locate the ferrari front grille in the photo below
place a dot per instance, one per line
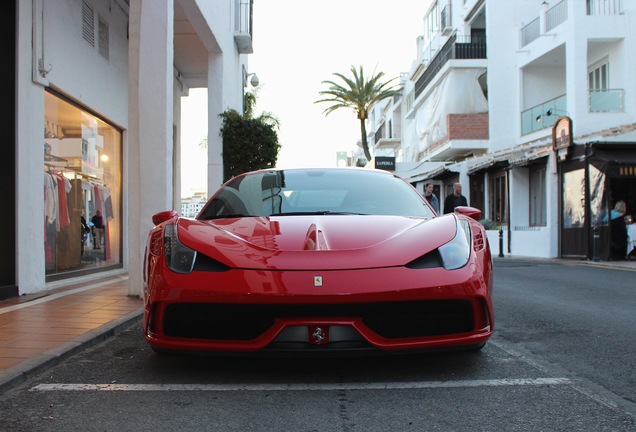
(388, 319)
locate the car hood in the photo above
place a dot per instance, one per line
(323, 242)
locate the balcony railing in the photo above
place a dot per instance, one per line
(604, 7)
(457, 47)
(543, 116)
(530, 32)
(553, 17)
(556, 15)
(607, 100)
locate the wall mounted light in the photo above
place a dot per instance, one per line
(549, 113)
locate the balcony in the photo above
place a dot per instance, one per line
(546, 22)
(467, 135)
(551, 18)
(384, 142)
(457, 47)
(243, 26)
(543, 116)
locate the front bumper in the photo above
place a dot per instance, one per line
(380, 309)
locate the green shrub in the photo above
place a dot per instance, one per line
(248, 144)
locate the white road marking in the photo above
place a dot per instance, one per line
(304, 387)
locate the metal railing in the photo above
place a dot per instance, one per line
(556, 15)
(604, 7)
(530, 32)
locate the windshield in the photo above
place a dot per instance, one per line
(315, 191)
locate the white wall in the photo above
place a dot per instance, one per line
(503, 76)
(77, 68)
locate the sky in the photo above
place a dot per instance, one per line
(297, 45)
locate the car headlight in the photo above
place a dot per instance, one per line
(455, 253)
(179, 257)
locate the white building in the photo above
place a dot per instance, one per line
(490, 79)
(191, 206)
(97, 105)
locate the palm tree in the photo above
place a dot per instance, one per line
(358, 94)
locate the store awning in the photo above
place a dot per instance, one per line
(510, 158)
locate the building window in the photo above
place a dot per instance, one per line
(498, 184)
(431, 23)
(83, 189)
(537, 196)
(598, 76)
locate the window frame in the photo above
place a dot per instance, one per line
(537, 208)
(498, 197)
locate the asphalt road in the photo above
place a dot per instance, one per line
(561, 360)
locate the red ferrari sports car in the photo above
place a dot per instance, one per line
(317, 260)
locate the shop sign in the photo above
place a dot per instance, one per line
(562, 136)
(385, 163)
(624, 171)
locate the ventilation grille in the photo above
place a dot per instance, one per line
(88, 23)
(103, 38)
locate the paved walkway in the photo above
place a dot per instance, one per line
(40, 330)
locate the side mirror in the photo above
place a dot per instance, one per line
(471, 212)
(163, 216)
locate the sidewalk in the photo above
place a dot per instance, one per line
(40, 330)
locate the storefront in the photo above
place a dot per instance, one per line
(82, 190)
(593, 177)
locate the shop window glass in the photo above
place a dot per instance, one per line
(574, 199)
(82, 184)
(598, 203)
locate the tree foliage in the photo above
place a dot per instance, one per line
(359, 94)
(248, 144)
